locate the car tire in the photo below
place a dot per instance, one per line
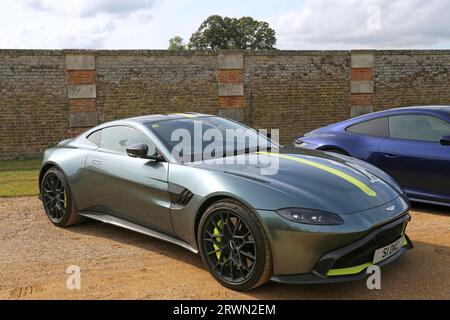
(57, 199)
(260, 270)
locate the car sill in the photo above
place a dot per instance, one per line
(137, 228)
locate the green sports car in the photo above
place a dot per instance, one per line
(253, 211)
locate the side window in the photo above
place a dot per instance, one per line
(118, 138)
(376, 127)
(418, 127)
(95, 137)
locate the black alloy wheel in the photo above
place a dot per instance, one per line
(54, 197)
(230, 246)
(234, 246)
(57, 199)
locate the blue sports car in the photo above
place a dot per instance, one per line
(411, 144)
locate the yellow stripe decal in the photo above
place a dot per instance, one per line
(320, 166)
(350, 270)
(404, 242)
(187, 115)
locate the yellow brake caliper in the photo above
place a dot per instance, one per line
(219, 239)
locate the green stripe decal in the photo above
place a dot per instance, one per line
(328, 169)
(405, 242)
(350, 270)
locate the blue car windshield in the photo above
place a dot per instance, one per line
(198, 135)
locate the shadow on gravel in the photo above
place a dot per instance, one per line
(128, 237)
(429, 208)
(420, 273)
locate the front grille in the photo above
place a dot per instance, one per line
(365, 253)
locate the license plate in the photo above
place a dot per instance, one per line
(389, 250)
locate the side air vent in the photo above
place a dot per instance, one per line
(184, 198)
(179, 196)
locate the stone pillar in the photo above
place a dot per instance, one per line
(81, 93)
(362, 85)
(230, 78)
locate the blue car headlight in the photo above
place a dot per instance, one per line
(301, 144)
(310, 216)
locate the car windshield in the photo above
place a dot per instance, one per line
(208, 137)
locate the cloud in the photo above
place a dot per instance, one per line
(91, 8)
(301, 24)
(343, 24)
(75, 33)
(89, 34)
(87, 24)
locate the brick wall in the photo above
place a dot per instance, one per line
(48, 95)
(296, 91)
(404, 78)
(138, 83)
(33, 101)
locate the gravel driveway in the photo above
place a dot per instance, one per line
(120, 264)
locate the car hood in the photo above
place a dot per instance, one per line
(317, 179)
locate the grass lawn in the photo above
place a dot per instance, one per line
(19, 177)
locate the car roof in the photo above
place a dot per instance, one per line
(432, 109)
(141, 120)
(166, 116)
(423, 108)
(442, 110)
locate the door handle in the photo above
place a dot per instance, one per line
(390, 155)
(96, 162)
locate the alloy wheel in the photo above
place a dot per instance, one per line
(230, 247)
(54, 197)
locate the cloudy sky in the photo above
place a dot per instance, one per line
(299, 24)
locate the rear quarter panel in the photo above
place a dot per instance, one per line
(356, 145)
(70, 160)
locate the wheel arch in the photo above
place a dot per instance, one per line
(45, 167)
(214, 198)
(266, 266)
(205, 205)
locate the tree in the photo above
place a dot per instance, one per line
(245, 33)
(176, 43)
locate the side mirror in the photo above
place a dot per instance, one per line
(445, 140)
(139, 150)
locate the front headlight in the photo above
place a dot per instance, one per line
(310, 216)
(300, 143)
